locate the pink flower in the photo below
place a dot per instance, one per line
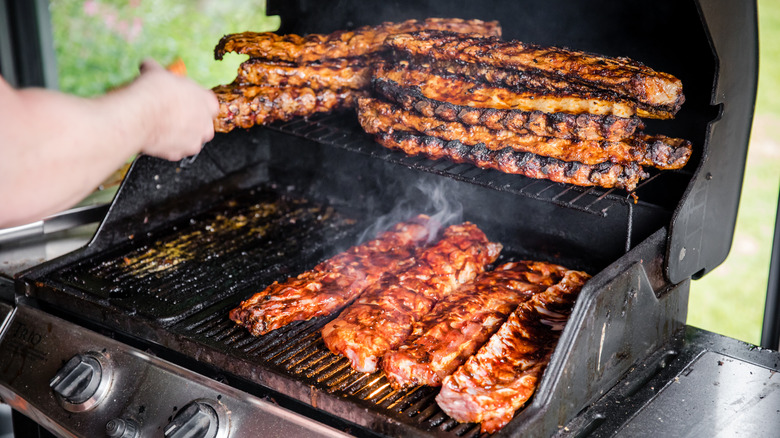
(110, 19)
(135, 29)
(90, 7)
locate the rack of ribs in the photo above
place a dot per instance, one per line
(621, 75)
(460, 323)
(336, 282)
(339, 44)
(519, 163)
(246, 106)
(296, 76)
(658, 151)
(504, 373)
(382, 318)
(337, 74)
(559, 125)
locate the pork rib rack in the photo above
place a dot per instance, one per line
(382, 318)
(291, 76)
(336, 282)
(504, 373)
(460, 323)
(542, 112)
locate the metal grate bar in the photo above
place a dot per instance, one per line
(342, 130)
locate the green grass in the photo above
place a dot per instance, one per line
(730, 300)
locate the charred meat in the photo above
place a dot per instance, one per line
(379, 116)
(519, 163)
(622, 76)
(464, 91)
(245, 106)
(559, 125)
(382, 318)
(338, 74)
(504, 373)
(339, 44)
(460, 323)
(336, 282)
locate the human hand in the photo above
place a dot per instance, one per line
(179, 112)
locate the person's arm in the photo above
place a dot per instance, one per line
(56, 148)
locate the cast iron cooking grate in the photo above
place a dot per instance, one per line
(249, 239)
(298, 353)
(342, 130)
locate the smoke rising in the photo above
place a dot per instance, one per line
(434, 197)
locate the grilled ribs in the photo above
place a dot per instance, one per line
(460, 323)
(245, 106)
(335, 74)
(335, 282)
(561, 125)
(339, 44)
(464, 91)
(507, 160)
(623, 76)
(504, 373)
(664, 153)
(381, 319)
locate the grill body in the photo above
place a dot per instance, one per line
(183, 243)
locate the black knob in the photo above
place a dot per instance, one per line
(196, 420)
(122, 428)
(79, 379)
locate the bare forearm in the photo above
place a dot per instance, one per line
(57, 148)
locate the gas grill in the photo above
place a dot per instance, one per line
(130, 336)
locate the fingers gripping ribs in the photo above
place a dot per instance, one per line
(378, 116)
(339, 44)
(382, 318)
(335, 282)
(622, 75)
(504, 373)
(464, 320)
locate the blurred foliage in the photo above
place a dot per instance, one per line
(100, 43)
(768, 100)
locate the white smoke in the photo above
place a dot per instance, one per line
(433, 197)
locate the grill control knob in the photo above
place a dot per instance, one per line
(122, 428)
(82, 382)
(198, 419)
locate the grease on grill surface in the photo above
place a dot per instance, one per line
(245, 241)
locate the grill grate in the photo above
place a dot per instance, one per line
(343, 131)
(246, 241)
(298, 352)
